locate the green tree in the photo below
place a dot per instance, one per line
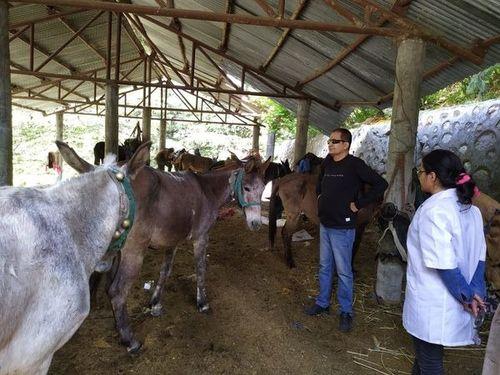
(279, 119)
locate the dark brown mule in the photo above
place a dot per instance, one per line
(297, 194)
(164, 158)
(172, 207)
(194, 163)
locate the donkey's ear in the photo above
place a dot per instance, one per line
(264, 166)
(139, 159)
(250, 165)
(71, 157)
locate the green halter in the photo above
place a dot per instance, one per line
(123, 230)
(238, 190)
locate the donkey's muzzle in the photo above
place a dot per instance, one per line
(255, 224)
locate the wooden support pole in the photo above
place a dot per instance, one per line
(302, 127)
(59, 126)
(146, 124)
(163, 133)
(60, 135)
(5, 99)
(255, 138)
(111, 122)
(401, 155)
(271, 140)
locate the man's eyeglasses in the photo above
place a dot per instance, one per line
(335, 141)
(420, 171)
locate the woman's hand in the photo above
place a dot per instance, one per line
(353, 207)
(474, 306)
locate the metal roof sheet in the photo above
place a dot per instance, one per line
(365, 74)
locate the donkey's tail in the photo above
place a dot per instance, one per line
(275, 209)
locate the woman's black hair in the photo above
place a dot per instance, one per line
(449, 170)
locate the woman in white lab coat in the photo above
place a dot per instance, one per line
(446, 252)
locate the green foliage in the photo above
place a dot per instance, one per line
(277, 118)
(482, 86)
(361, 115)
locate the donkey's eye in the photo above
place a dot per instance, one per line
(246, 188)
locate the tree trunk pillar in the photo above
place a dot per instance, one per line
(255, 138)
(271, 141)
(300, 146)
(111, 120)
(401, 154)
(5, 99)
(163, 133)
(146, 124)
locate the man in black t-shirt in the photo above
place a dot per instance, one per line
(340, 184)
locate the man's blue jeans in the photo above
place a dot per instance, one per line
(335, 254)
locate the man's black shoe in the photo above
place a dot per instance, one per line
(345, 324)
(317, 309)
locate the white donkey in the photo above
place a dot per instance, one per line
(51, 240)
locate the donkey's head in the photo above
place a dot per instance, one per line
(124, 173)
(248, 188)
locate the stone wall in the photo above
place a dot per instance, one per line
(471, 131)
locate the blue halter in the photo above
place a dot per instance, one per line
(238, 190)
(117, 243)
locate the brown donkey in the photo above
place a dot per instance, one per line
(296, 193)
(172, 207)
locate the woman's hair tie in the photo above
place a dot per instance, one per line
(463, 178)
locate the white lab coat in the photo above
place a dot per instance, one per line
(443, 235)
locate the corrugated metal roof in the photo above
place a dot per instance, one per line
(366, 74)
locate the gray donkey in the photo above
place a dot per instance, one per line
(51, 240)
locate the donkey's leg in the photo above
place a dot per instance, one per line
(289, 228)
(130, 265)
(166, 270)
(94, 281)
(200, 257)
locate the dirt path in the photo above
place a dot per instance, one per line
(257, 324)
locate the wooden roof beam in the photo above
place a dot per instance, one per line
(51, 83)
(346, 51)
(138, 24)
(29, 108)
(176, 23)
(67, 42)
(414, 29)
(229, 9)
(221, 71)
(25, 89)
(296, 14)
(266, 8)
(14, 26)
(42, 51)
(248, 68)
(219, 103)
(143, 84)
(347, 14)
(144, 10)
(83, 39)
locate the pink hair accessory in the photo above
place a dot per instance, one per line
(463, 178)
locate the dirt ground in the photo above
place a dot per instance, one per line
(256, 325)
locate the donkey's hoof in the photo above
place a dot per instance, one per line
(156, 310)
(134, 348)
(291, 264)
(205, 308)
